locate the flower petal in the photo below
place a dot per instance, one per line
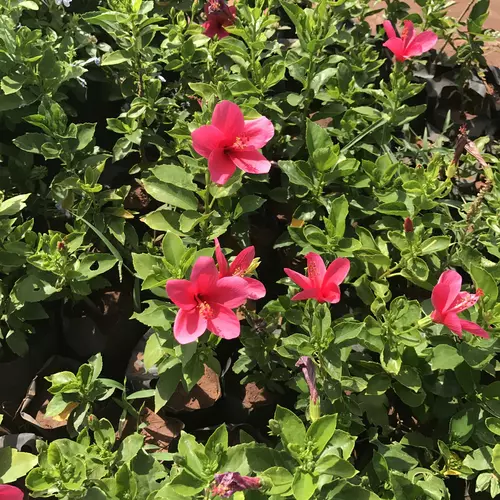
(337, 271)
(258, 132)
(422, 43)
(204, 276)
(310, 293)
(331, 293)
(453, 322)
(206, 139)
(188, 326)
(221, 260)
(250, 161)
(224, 322)
(231, 292)
(228, 118)
(8, 492)
(243, 260)
(446, 290)
(316, 269)
(389, 29)
(220, 166)
(182, 293)
(298, 279)
(474, 328)
(255, 289)
(396, 46)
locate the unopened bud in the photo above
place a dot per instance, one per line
(61, 245)
(408, 225)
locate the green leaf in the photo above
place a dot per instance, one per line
(171, 195)
(175, 175)
(316, 137)
(157, 314)
(167, 383)
(493, 424)
(129, 448)
(435, 244)
(173, 249)
(193, 453)
(321, 431)
(14, 205)
(217, 443)
(281, 480)
(248, 204)
(304, 485)
(484, 280)
(462, 425)
(298, 172)
(31, 142)
(445, 357)
(15, 464)
(115, 57)
(333, 465)
(92, 265)
(378, 384)
(292, 430)
(339, 209)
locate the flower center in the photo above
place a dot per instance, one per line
(239, 272)
(466, 300)
(240, 143)
(312, 269)
(205, 310)
(214, 6)
(404, 33)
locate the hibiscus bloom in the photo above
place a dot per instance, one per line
(448, 301)
(243, 264)
(8, 492)
(219, 15)
(231, 141)
(227, 484)
(321, 284)
(410, 44)
(205, 302)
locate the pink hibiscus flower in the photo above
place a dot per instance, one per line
(321, 284)
(231, 141)
(219, 15)
(240, 266)
(206, 302)
(448, 301)
(410, 44)
(8, 492)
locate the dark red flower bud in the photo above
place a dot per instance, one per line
(61, 245)
(408, 225)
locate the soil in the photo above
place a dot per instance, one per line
(256, 397)
(161, 430)
(204, 394)
(137, 199)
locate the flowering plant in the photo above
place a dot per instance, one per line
(273, 220)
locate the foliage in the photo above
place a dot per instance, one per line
(103, 187)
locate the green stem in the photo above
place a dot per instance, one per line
(424, 322)
(389, 271)
(367, 131)
(206, 202)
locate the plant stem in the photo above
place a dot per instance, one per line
(389, 271)
(367, 131)
(448, 38)
(206, 202)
